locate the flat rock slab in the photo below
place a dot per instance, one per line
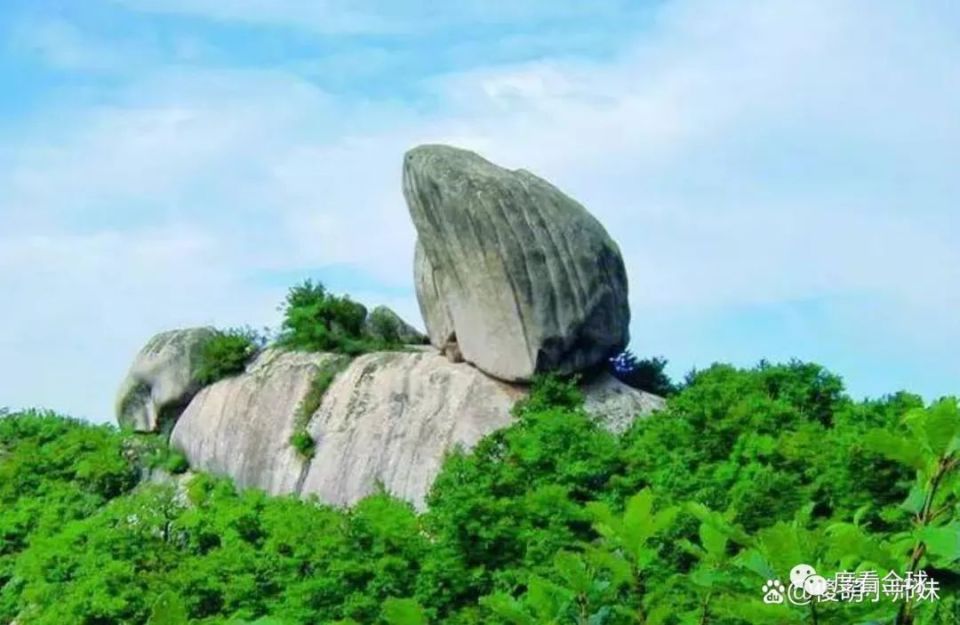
(241, 426)
(389, 418)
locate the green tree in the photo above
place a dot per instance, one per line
(226, 354)
(316, 320)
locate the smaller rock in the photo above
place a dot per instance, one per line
(384, 324)
(162, 380)
(618, 404)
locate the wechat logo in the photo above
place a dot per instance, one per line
(806, 587)
(773, 591)
(805, 584)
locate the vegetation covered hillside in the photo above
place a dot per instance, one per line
(683, 519)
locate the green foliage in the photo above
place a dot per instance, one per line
(647, 375)
(766, 443)
(168, 610)
(53, 472)
(403, 612)
(318, 388)
(550, 392)
(303, 443)
(326, 373)
(151, 451)
(679, 521)
(226, 354)
(176, 463)
(316, 320)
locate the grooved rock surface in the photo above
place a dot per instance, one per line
(389, 418)
(161, 380)
(521, 277)
(241, 426)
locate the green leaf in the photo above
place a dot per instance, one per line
(937, 426)
(507, 608)
(403, 612)
(573, 571)
(619, 569)
(753, 561)
(718, 522)
(659, 614)
(850, 546)
(705, 578)
(547, 599)
(943, 542)
(915, 500)
(943, 426)
(896, 448)
(168, 610)
(713, 540)
(638, 521)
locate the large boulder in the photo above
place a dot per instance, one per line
(511, 274)
(162, 380)
(241, 426)
(384, 324)
(392, 416)
(388, 418)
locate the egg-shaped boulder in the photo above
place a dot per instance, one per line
(511, 274)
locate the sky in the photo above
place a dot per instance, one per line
(781, 177)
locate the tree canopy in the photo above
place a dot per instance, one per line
(681, 520)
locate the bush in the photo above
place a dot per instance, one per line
(151, 451)
(646, 375)
(176, 463)
(322, 380)
(315, 320)
(226, 354)
(303, 443)
(300, 439)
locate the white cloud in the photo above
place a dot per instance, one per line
(744, 156)
(77, 307)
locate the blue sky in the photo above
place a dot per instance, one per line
(781, 177)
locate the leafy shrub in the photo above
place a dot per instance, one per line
(315, 320)
(301, 439)
(303, 443)
(151, 451)
(226, 354)
(549, 392)
(646, 375)
(176, 463)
